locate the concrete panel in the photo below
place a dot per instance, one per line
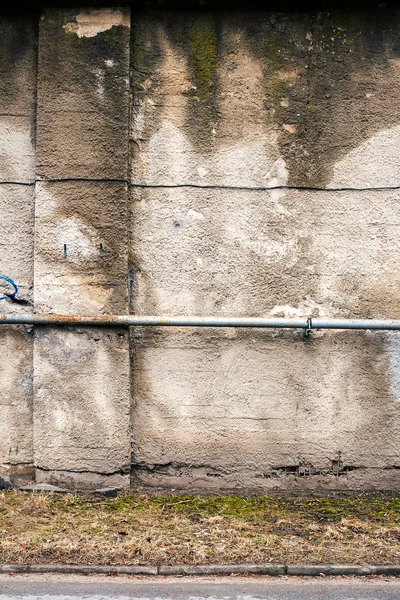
(83, 95)
(18, 41)
(82, 378)
(243, 100)
(82, 420)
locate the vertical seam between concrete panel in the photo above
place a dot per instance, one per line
(34, 230)
(128, 237)
(34, 233)
(128, 240)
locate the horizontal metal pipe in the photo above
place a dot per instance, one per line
(354, 324)
(133, 321)
(146, 321)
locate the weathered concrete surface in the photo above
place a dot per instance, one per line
(82, 411)
(235, 99)
(82, 380)
(18, 41)
(256, 100)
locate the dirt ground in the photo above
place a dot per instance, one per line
(133, 529)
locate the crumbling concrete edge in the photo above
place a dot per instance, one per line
(243, 569)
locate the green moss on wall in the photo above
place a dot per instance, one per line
(273, 63)
(196, 35)
(203, 61)
(203, 55)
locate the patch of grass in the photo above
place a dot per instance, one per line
(164, 529)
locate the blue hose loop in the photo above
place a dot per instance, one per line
(13, 284)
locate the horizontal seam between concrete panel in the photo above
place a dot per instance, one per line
(203, 186)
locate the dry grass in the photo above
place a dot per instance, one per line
(39, 528)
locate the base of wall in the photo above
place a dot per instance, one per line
(20, 475)
(84, 481)
(201, 480)
(359, 481)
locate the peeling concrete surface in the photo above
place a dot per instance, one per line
(92, 22)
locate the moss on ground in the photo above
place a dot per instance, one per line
(132, 529)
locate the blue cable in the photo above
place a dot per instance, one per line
(11, 282)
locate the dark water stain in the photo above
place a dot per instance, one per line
(90, 139)
(328, 77)
(18, 56)
(318, 69)
(195, 35)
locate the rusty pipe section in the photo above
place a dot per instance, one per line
(139, 321)
(305, 323)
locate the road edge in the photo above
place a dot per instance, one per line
(170, 570)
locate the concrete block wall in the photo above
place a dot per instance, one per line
(308, 102)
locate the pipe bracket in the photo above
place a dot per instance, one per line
(306, 333)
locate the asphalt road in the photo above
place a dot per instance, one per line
(58, 587)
